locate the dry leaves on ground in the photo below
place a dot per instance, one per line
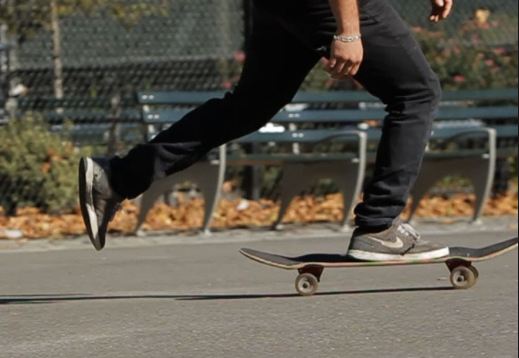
(188, 214)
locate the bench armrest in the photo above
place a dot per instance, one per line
(362, 136)
(362, 148)
(491, 133)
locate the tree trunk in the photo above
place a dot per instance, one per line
(57, 54)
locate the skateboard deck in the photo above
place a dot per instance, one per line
(460, 263)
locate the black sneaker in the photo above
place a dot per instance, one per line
(401, 242)
(99, 203)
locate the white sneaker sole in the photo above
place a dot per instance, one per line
(86, 180)
(373, 256)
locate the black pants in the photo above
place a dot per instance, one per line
(289, 37)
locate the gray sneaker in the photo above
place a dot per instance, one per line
(401, 242)
(99, 203)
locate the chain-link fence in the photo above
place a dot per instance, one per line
(475, 48)
(73, 63)
(77, 65)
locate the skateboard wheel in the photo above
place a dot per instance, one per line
(463, 277)
(307, 284)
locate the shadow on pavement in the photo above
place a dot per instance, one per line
(51, 298)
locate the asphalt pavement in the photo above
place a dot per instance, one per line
(203, 299)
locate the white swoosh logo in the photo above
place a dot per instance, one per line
(398, 244)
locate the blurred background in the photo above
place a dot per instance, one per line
(70, 71)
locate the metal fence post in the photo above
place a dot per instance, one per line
(4, 73)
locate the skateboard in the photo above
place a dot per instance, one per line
(463, 274)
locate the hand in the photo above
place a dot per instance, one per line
(441, 9)
(345, 59)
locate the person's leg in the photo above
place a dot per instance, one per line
(275, 67)
(395, 70)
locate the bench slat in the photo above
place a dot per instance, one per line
(312, 136)
(164, 116)
(194, 98)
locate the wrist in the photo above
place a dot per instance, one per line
(352, 27)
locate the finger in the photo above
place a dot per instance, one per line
(326, 64)
(338, 69)
(331, 64)
(348, 68)
(339, 75)
(447, 9)
(437, 7)
(355, 70)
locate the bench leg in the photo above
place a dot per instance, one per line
(300, 176)
(210, 180)
(351, 187)
(207, 176)
(478, 170)
(482, 183)
(149, 198)
(431, 173)
(296, 178)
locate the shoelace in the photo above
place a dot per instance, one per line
(408, 230)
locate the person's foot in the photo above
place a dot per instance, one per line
(99, 203)
(401, 242)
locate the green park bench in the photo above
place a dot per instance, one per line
(99, 121)
(484, 117)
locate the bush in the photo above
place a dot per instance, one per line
(38, 168)
(476, 58)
